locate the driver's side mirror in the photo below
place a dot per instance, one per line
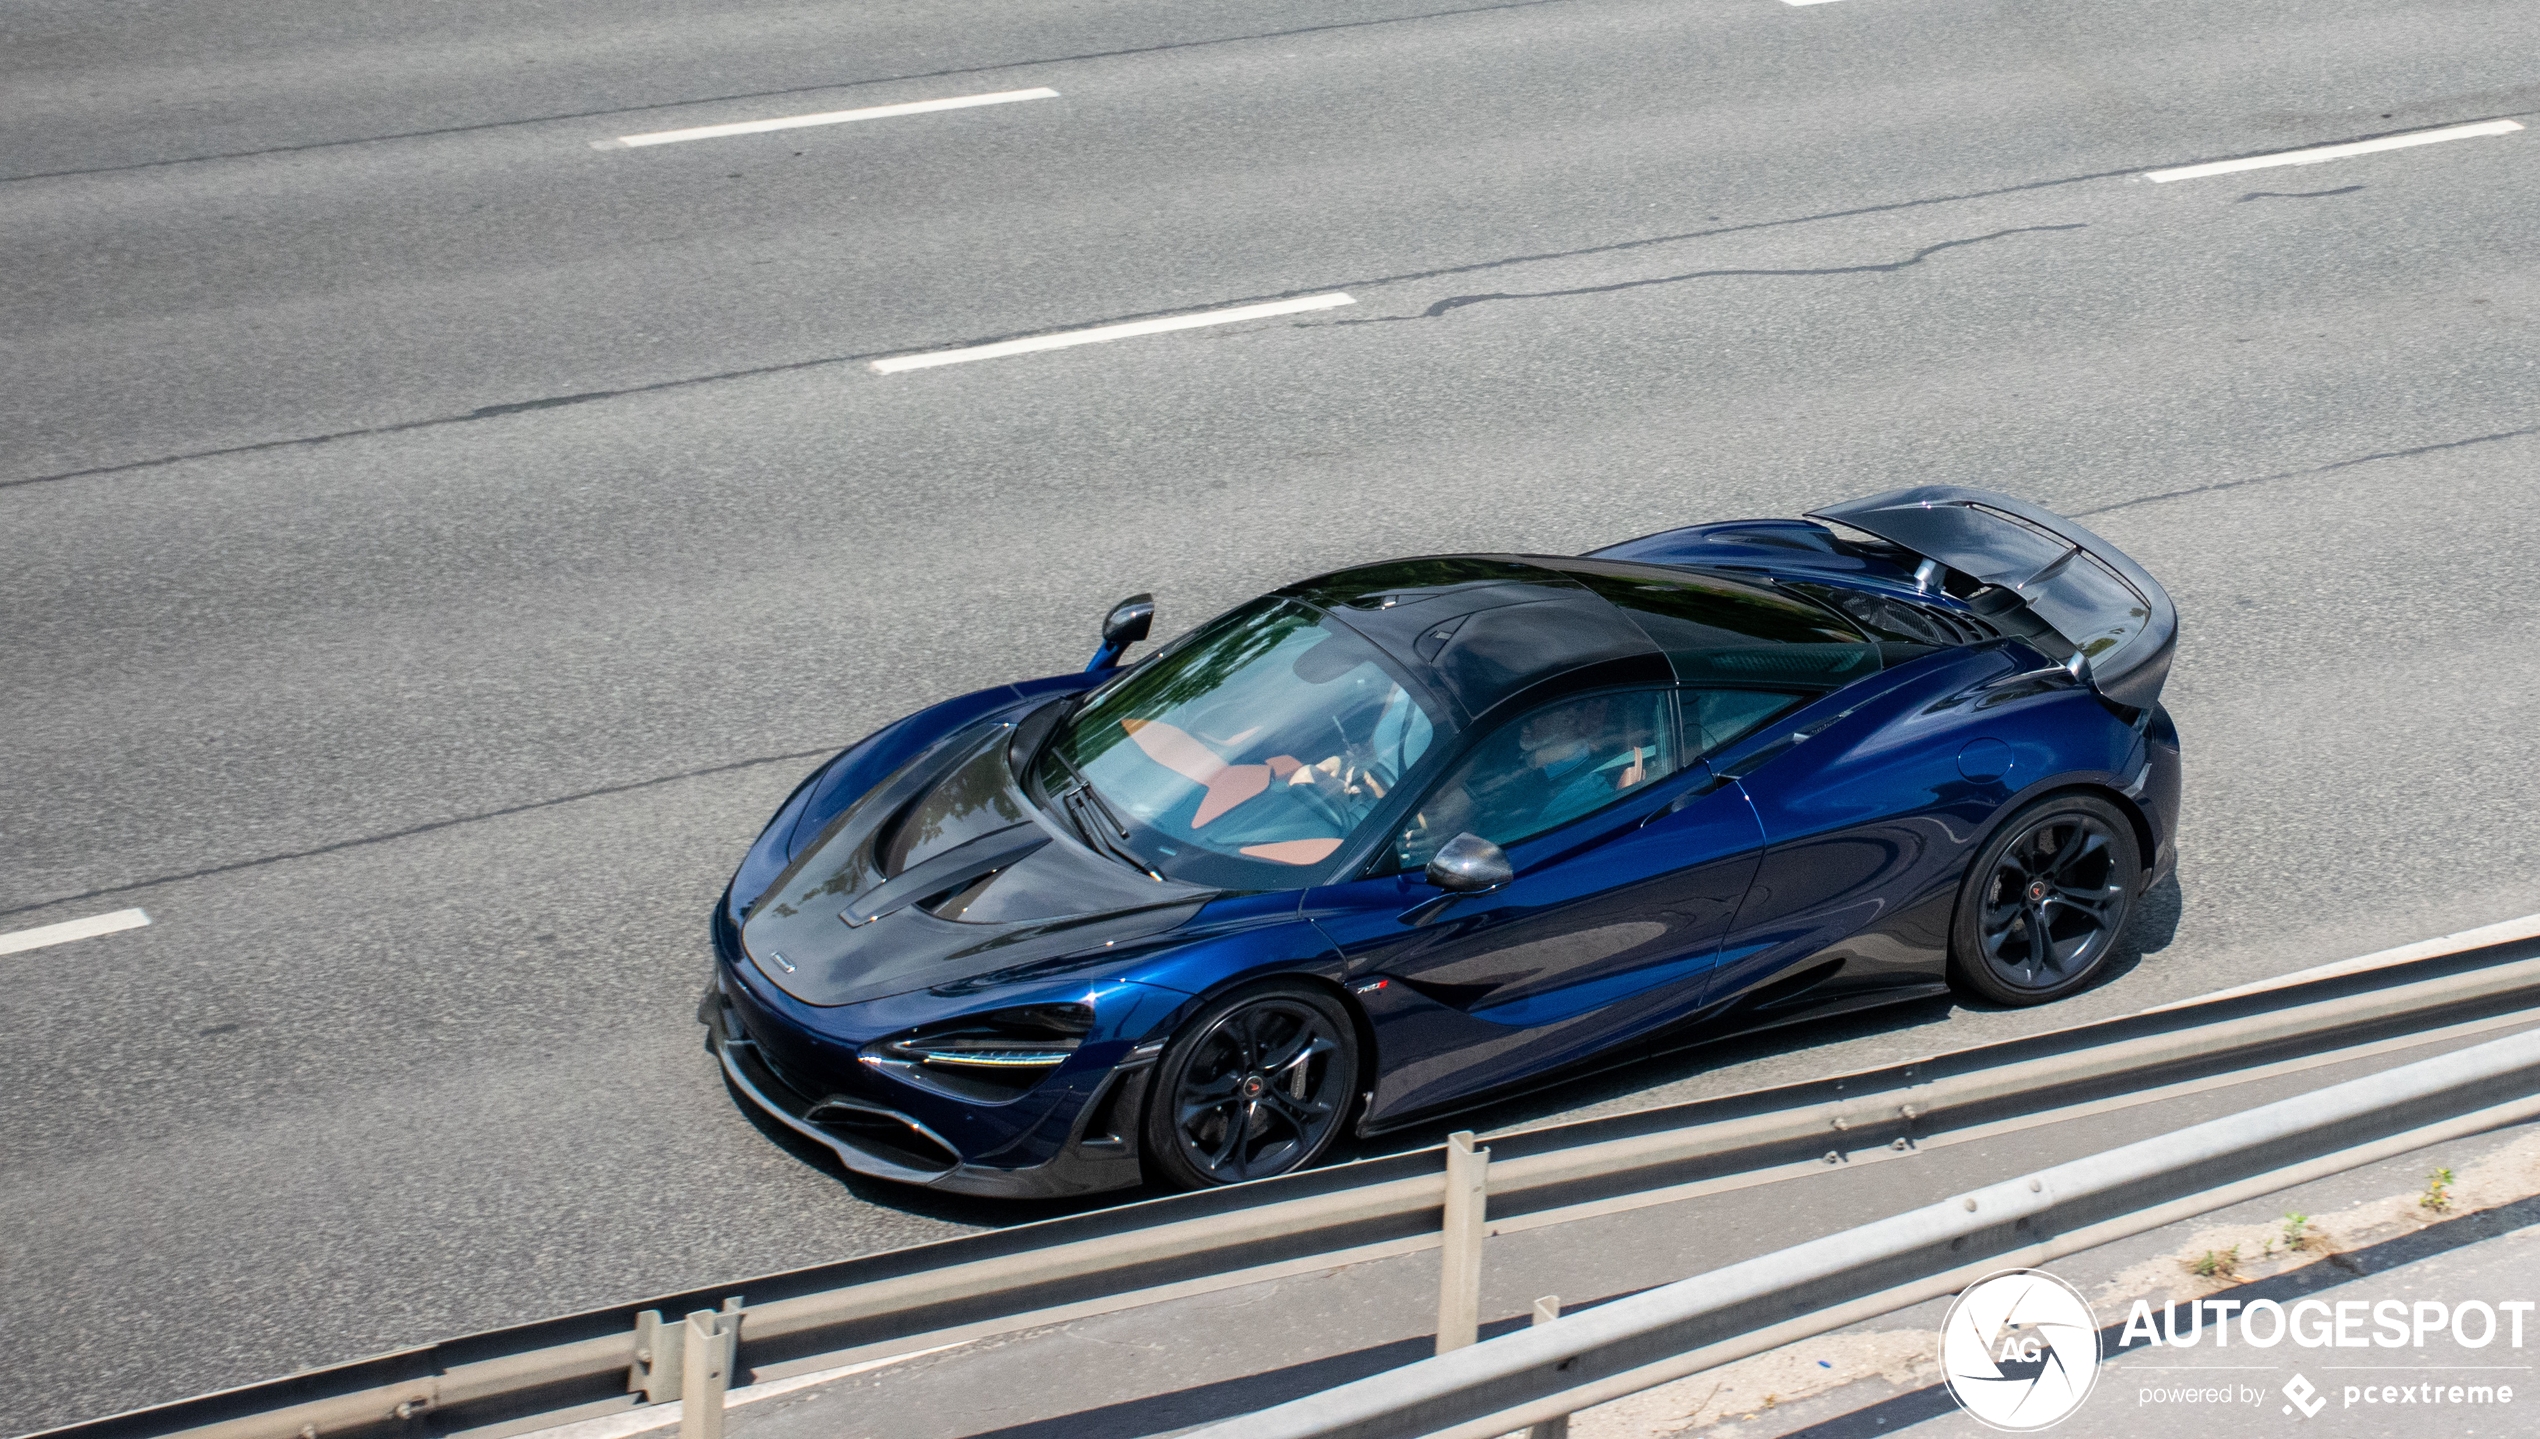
(1127, 624)
(1469, 864)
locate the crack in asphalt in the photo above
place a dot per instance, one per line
(1369, 282)
(415, 829)
(1458, 302)
(515, 407)
(2302, 474)
(494, 411)
(481, 412)
(2295, 194)
(755, 761)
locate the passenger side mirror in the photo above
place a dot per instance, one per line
(1469, 864)
(1127, 624)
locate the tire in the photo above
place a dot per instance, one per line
(2045, 902)
(1258, 1083)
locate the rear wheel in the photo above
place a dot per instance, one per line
(1257, 1084)
(2045, 902)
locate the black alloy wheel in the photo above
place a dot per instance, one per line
(1257, 1084)
(2046, 901)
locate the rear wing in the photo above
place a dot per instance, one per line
(2112, 612)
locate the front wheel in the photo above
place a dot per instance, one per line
(2045, 902)
(1257, 1084)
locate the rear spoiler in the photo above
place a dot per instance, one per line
(2118, 620)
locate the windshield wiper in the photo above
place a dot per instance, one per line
(1083, 790)
(1104, 843)
(1086, 788)
(1097, 840)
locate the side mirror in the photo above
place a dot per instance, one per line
(1127, 624)
(1469, 864)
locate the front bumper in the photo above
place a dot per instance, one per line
(871, 1139)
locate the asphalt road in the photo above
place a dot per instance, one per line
(429, 544)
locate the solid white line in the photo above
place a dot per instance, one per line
(833, 117)
(1807, 2)
(71, 929)
(2335, 152)
(1100, 333)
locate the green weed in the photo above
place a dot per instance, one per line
(2438, 1191)
(2218, 1263)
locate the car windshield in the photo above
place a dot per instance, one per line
(1243, 757)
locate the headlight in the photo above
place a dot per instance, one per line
(992, 1057)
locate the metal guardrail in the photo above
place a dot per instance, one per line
(607, 1361)
(1556, 1368)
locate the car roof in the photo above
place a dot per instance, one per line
(1484, 631)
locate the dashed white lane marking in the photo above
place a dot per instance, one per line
(71, 929)
(1100, 333)
(832, 117)
(1807, 2)
(2318, 153)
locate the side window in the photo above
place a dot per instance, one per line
(1715, 717)
(1546, 769)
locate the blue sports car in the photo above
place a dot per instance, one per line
(1396, 839)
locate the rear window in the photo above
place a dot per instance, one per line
(1720, 631)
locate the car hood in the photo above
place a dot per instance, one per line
(948, 874)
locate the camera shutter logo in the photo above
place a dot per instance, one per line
(2020, 1350)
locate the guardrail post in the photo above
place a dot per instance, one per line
(656, 1370)
(708, 1346)
(1460, 1256)
(660, 1369)
(1547, 1309)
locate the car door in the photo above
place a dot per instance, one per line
(1619, 900)
(1868, 812)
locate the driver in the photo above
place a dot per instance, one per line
(1574, 758)
(1557, 763)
